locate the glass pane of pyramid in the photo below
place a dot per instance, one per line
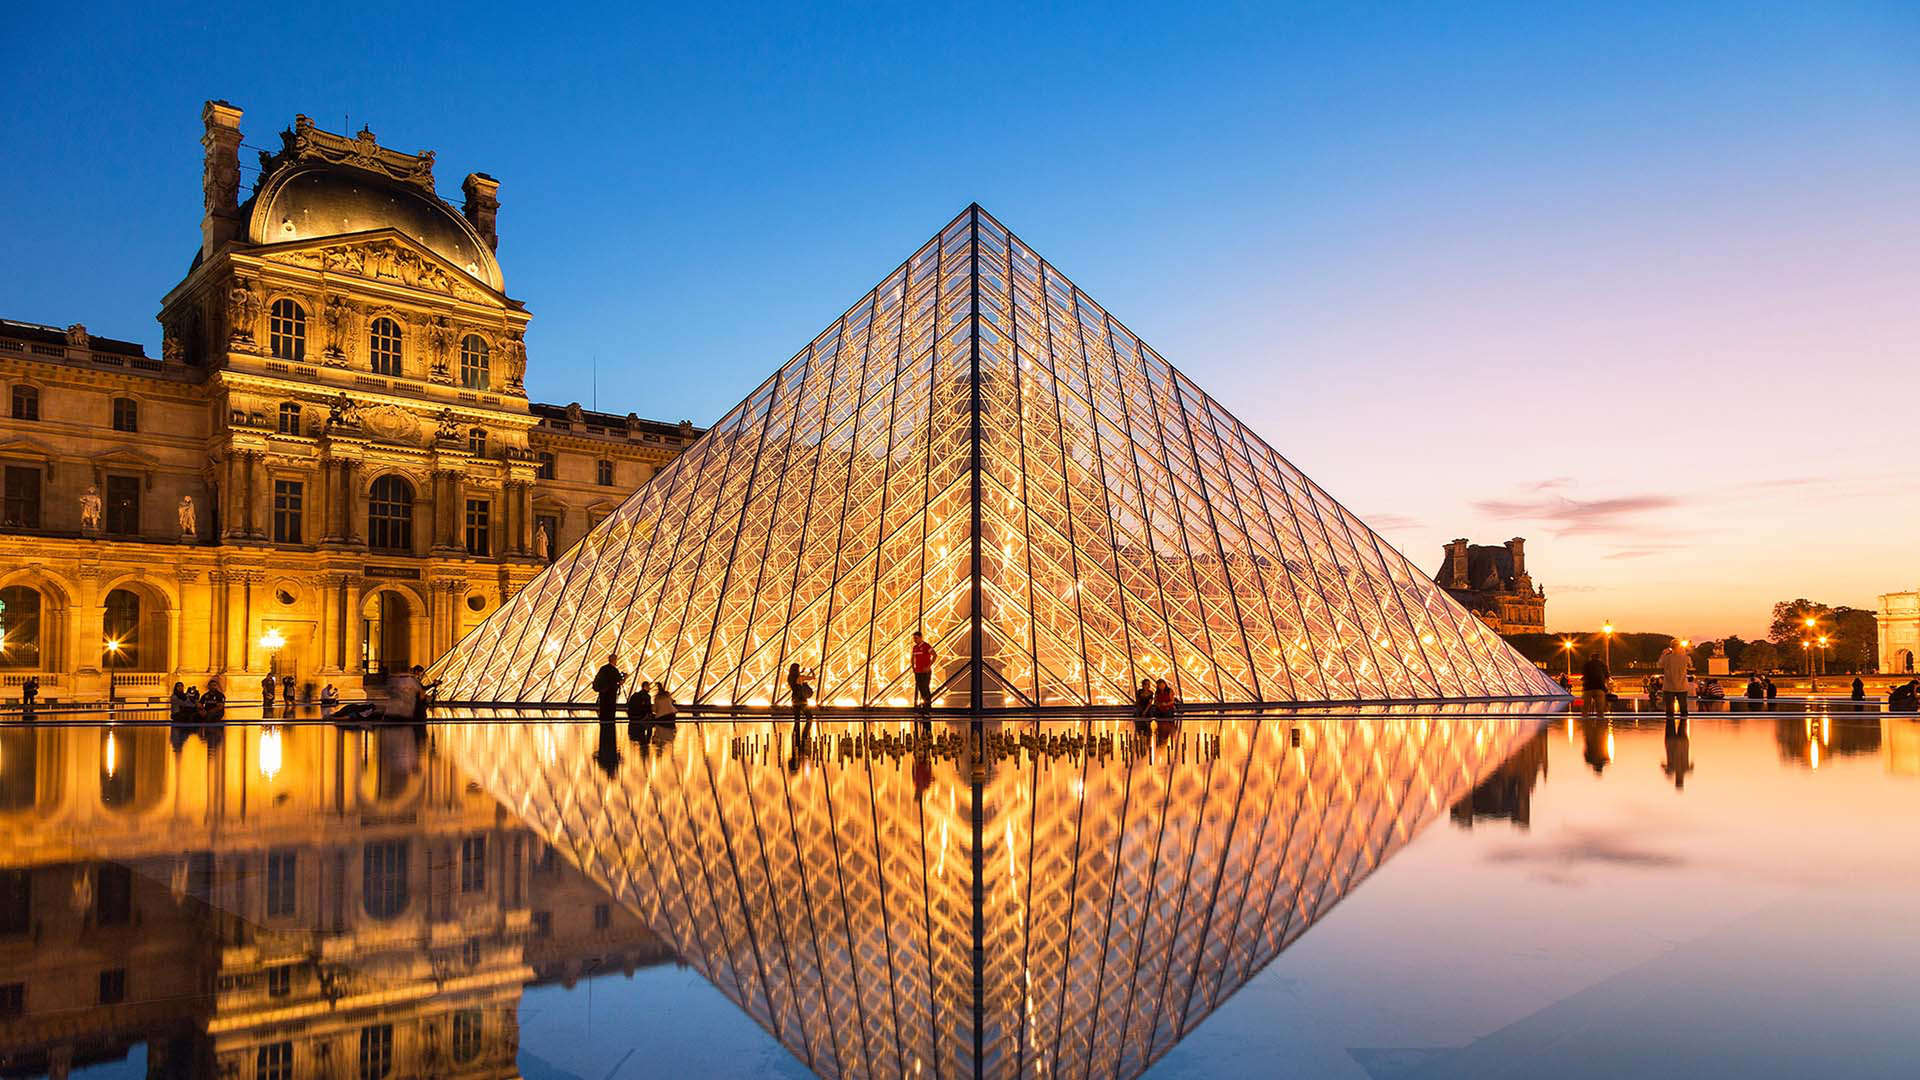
(979, 451)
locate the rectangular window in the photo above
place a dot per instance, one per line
(473, 864)
(376, 1051)
(273, 1062)
(602, 916)
(113, 986)
(123, 505)
(466, 1035)
(547, 468)
(289, 418)
(16, 902)
(13, 999)
(22, 497)
(112, 895)
(287, 496)
(126, 414)
(280, 980)
(543, 924)
(383, 890)
(603, 472)
(479, 527)
(282, 873)
(26, 403)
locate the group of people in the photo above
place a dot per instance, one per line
(650, 702)
(188, 705)
(1760, 686)
(1674, 682)
(1154, 700)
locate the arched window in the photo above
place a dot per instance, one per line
(473, 362)
(287, 331)
(289, 418)
(390, 515)
(477, 442)
(121, 628)
(20, 627)
(383, 346)
(126, 414)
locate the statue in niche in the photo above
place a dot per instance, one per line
(515, 351)
(542, 543)
(336, 314)
(449, 425)
(439, 341)
(342, 410)
(243, 308)
(90, 509)
(189, 519)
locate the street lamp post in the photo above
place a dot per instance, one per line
(1823, 654)
(1566, 646)
(1607, 643)
(272, 641)
(113, 667)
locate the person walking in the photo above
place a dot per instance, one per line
(1593, 686)
(267, 686)
(606, 684)
(923, 658)
(800, 685)
(1676, 671)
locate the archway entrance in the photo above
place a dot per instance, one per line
(135, 626)
(386, 633)
(1903, 661)
(20, 623)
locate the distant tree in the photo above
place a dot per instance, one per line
(1701, 652)
(1790, 621)
(1853, 639)
(1760, 656)
(1735, 646)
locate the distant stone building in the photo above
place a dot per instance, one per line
(1899, 632)
(331, 471)
(1492, 582)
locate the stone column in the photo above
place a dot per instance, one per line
(262, 497)
(526, 519)
(232, 497)
(89, 619)
(322, 504)
(456, 512)
(355, 502)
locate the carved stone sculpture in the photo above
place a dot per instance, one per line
(243, 311)
(339, 319)
(514, 349)
(189, 519)
(77, 336)
(542, 543)
(342, 411)
(448, 425)
(439, 341)
(90, 509)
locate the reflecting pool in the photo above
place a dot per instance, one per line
(1384, 893)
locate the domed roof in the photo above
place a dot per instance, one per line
(313, 201)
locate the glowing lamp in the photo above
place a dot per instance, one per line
(273, 639)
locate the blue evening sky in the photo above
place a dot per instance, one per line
(1482, 269)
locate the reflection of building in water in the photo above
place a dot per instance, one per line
(298, 901)
(334, 441)
(1508, 792)
(1814, 740)
(1011, 918)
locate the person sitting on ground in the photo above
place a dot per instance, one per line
(329, 698)
(1164, 703)
(1773, 691)
(213, 704)
(1754, 690)
(178, 704)
(663, 708)
(639, 711)
(800, 686)
(1143, 700)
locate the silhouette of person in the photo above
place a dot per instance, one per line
(800, 686)
(922, 657)
(1594, 739)
(1859, 689)
(606, 684)
(1679, 752)
(607, 754)
(639, 713)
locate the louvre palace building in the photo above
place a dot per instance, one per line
(332, 468)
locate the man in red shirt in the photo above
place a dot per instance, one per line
(922, 674)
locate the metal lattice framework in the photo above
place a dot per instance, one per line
(1119, 901)
(978, 451)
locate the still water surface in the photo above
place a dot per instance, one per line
(1471, 893)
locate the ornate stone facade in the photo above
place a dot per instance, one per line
(341, 395)
(1900, 633)
(1492, 582)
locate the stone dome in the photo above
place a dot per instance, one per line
(308, 202)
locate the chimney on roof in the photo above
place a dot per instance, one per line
(483, 206)
(220, 177)
(1517, 547)
(1457, 564)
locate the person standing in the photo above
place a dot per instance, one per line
(1859, 689)
(266, 691)
(286, 689)
(29, 691)
(923, 658)
(1676, 672)
(606, 684)
(800, 686)
(1593, 686)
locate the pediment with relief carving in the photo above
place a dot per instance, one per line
(387, 256)
(391, 423)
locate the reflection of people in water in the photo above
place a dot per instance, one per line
(607, 754)
(1597, 743)
(922, 773)
(1679, 752)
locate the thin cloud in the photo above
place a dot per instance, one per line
(1640, 553)
(1566, 516)
(1389, 521)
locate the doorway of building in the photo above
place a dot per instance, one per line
(386, 629)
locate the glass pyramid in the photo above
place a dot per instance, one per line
(977, 450)
(988, 913)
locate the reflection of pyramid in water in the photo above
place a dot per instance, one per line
(1119, 904)
(976, 437)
